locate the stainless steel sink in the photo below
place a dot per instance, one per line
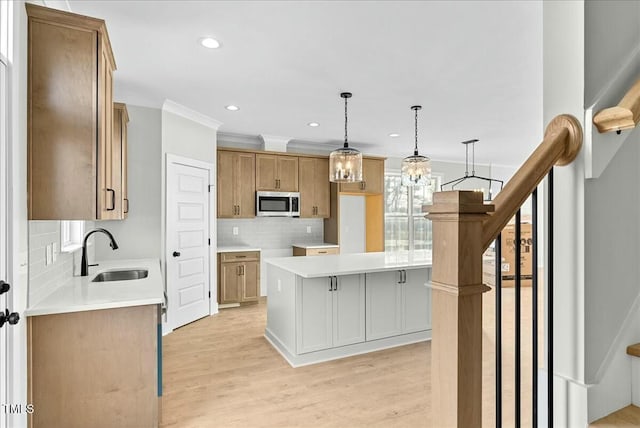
(121, 275)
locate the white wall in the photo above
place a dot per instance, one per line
(563, 89)
(139, 235)
(611, 212)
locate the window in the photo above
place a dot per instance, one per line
(71, 235)
(406, 228)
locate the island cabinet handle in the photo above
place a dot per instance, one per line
(330, 283)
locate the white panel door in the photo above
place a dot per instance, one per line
(352, 224)
(314, 317)
(417, 300)
(187, 242)
(4, 244)
(384, 304)
(348, 310)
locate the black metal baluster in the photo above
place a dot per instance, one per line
(498, 285)
(518, 272)
(550, 304)
(534, 308)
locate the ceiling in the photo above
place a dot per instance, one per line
(475, 67)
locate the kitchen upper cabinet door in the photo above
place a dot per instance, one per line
(250, 281)
(322, 188)
(307, 187)
(373, 175)
(245, 185)
(226, 184)
(315, 318)
(69, 117)
(417, 300)
(266, 172)
(230, 282)
(287, 173)
(120, 121)
(384, 304)
(349, 310)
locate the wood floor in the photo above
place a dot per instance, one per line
(220, 371)
(627, 417)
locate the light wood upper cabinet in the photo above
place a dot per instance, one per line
(314, 187)
(120, 160)
(276, 173)
(372, 178)
(236, 184)
(70, 96)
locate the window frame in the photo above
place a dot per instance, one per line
(71, 235)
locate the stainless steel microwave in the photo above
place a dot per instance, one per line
(278, 204)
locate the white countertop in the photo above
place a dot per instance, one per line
(316, 245)
(80, 294)
(237, 248)
(346, 264)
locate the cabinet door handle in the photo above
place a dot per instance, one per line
(330, 283)
(238, 270)
(404, 276)
(127, 210)
(241, 257)
(322, 252)
(113, 199)
(400, 280)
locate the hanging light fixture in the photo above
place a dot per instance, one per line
(490, 187)
(345, 163)
(416, 169)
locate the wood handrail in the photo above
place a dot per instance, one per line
(625, 115)
(561, 144)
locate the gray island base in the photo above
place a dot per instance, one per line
(325, 308)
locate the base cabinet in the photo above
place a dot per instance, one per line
(239, 277)
(94, 368)
(332, 312)
(398, 302)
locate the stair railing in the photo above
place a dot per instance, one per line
(463, 227)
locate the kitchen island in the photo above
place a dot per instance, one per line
(324, 308)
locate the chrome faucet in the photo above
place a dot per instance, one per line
(84, 269)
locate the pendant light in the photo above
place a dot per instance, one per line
(488, 186)
(345, 163)
(416, 169)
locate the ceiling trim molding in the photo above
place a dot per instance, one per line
(242, 139)
(187, 113)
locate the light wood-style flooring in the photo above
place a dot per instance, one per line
(627, 417)
(220, 371)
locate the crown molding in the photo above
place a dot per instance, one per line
(239, 139)
(187, 113)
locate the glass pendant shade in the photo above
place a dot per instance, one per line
(416, 170)
(345, 163)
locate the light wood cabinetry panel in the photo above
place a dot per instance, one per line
(69, 126)
(236, 184)
(300, 251)
(120, 161)
(276, 173)
(314, 187)
(372, 178)
(94, 369)
(238, 277)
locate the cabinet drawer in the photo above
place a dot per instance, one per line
(322, 251)
(239, 256)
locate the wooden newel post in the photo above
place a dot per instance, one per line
(456, 346)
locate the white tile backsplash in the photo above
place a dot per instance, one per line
(269, 232)
(45, 279)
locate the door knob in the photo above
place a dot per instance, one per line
(12, 318)
(4, 287)
(176, 254)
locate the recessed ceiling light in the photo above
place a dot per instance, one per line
(394, 135)
(313, 124)
(209, 42)
(231, 107)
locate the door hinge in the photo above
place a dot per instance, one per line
(209, 294)
(209, 241)
(209, 187)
